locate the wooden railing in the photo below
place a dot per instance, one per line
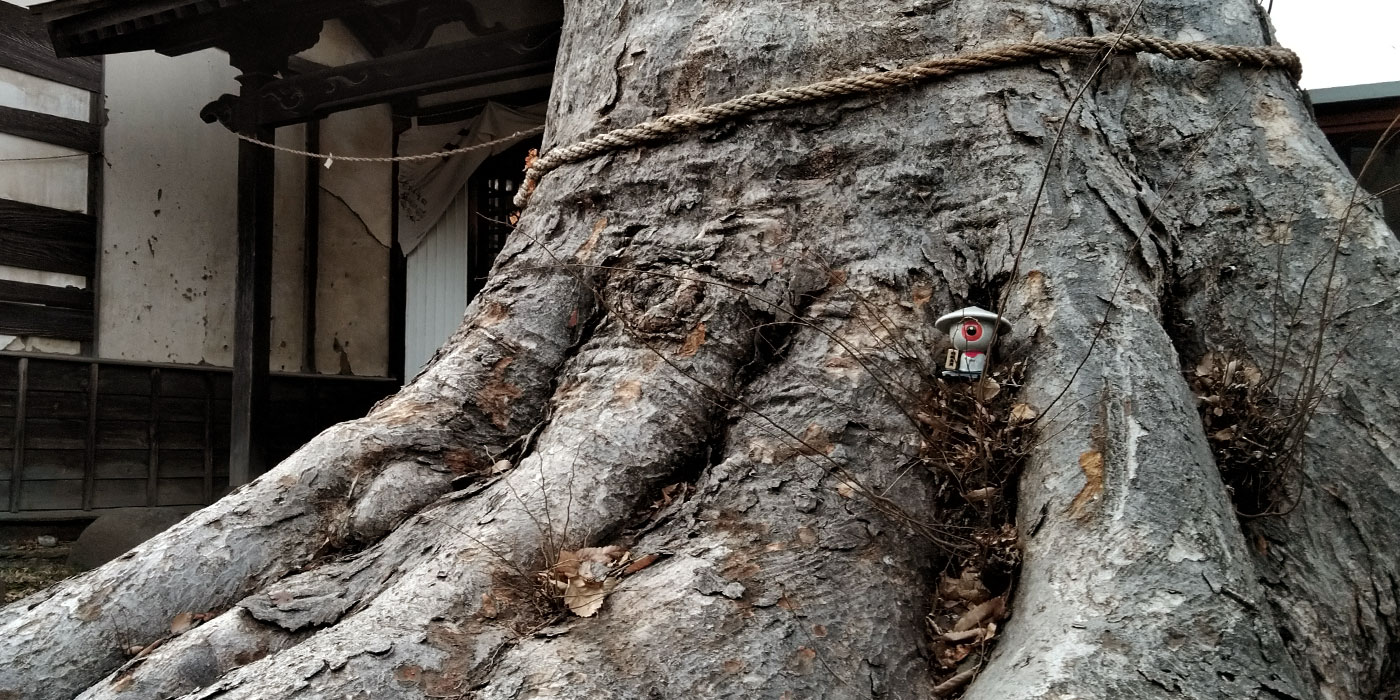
(80, 434)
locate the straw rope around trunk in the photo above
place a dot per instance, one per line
(672, 125)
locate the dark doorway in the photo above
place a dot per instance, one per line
(490, 192)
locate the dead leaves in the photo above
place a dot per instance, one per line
(123, 677)
(1249, 430)
(986, 389)
(975, 437)
(187, 621)
(963, 622)
(640, 564)
(693, 341)
(982, 618)
(1226, 370)
(583, 578)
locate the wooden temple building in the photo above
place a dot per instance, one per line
(179, 308)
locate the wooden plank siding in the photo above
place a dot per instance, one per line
(1376, 116)
(59, 131)
(45, 239)
(45, 321)
(19, 248)
(25, 47)
(82, 435)
(62, 297)
(46, 223)
(48, 240)
(17, 437)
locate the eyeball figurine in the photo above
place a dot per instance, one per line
(971, 330)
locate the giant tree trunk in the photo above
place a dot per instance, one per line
(748, 313)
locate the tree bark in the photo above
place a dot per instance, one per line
(715, 351)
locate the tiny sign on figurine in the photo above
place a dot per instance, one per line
(972, 332)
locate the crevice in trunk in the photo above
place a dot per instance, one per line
(977, 436)
(987, 292)
(1247, 422)
(1389, 686)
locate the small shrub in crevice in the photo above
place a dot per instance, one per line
(581, 579)
(1251, 432)
(976, 440)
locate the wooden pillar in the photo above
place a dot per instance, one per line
(90, 441)
(253, 287)
(153, 443)
(259, 55)
(398, 270)
(207, 493)
(311, 244)
(17, 453)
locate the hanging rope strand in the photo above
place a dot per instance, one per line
(672, 125)
(331, 157)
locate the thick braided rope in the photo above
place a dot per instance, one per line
(664, 128)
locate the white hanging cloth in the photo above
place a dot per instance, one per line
(427, 187)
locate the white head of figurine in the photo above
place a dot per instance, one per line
(971, 328)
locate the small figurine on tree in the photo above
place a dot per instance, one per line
(973, 330)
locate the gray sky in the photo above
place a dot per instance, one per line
(1341, 42)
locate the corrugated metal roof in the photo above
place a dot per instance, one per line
(1353, 93)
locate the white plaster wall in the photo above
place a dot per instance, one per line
(352, 296)
(288, 244)
(23, 91)
(336, 46)
(57, 182)
(168, 216)
(58, 176)
(356, 216)
(169, 257)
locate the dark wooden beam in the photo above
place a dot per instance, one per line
(1374, 118)
(90, 439)
(45, 221)
(253, 285)
(24, 47)
(496, 57)
(68, 133)
(296, 65)
(175, 27)
(398, 274)
(153, 443)
(33, 252)
(17, 450)
(311, 247)
(46, 239)
(207, 489)
(45, 321)
(252, 310)
(396, 27)
(97, 115)
(64, 297)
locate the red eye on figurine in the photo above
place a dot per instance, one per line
(971, 330)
